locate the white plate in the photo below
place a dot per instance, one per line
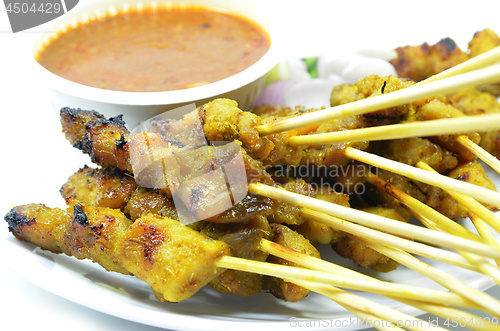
(127, 297)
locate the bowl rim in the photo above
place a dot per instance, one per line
(245, 77)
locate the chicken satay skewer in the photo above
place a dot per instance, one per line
(364, 106)
(410, 262)
(481, 123)
(293, 273)
(418, 208)
(435, 220)
(474, 206)
(480, 61)
(377, 222)
(319, 264)
(489, 303)
(481, 194)
(480, 76)
(175, 260)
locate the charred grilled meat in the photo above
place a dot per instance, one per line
(175, 260)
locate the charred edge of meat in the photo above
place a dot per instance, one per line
(85, 145)
(449, 44)
(79, 216)
(15, 220)
(120, 143)
(72, 113)
(117, 120)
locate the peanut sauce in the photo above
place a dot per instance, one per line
(155, 50)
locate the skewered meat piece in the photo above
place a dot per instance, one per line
(385, 200)
(104, 140)
(412, 150)
(436, 109)
(108, 187)
(290, 214)
(291, 239)
(145, 201)
(96, 186)
(372, 86)
(472, 102)
(471, 172)
(320, 233)
(363, 255)
(85, 232)
(244, 241)
(421, 62)
(173, 259)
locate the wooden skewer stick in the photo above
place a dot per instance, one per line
(482, 229)
(430, 252)
(481, 123)
(483, 60)
(314, 263)
(489, 303)
(321, 265)
(294, 273)
(409, 322)
(482, 194)
(435, 220)
(443, 86)
(377, 222)
(487, 158)
(418, 208)
(471, 204)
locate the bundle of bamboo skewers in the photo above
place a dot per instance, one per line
(474, 252)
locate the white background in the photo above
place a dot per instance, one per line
(30, 163)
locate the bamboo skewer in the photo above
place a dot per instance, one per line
(294, 273)
(319, 264)
(482, 229)
(376, 222)
(418, 208)
(394, 241)
(433, 219)
(489, 303)
(443, 86)
(455, 125)
(471, 204)
(486, 157)
(480, 193)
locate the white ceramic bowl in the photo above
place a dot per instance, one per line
(243, 87)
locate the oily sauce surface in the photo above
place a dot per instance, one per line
(150, 51)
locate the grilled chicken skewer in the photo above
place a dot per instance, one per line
(175, 260)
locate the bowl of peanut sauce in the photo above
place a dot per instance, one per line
(143, 58)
